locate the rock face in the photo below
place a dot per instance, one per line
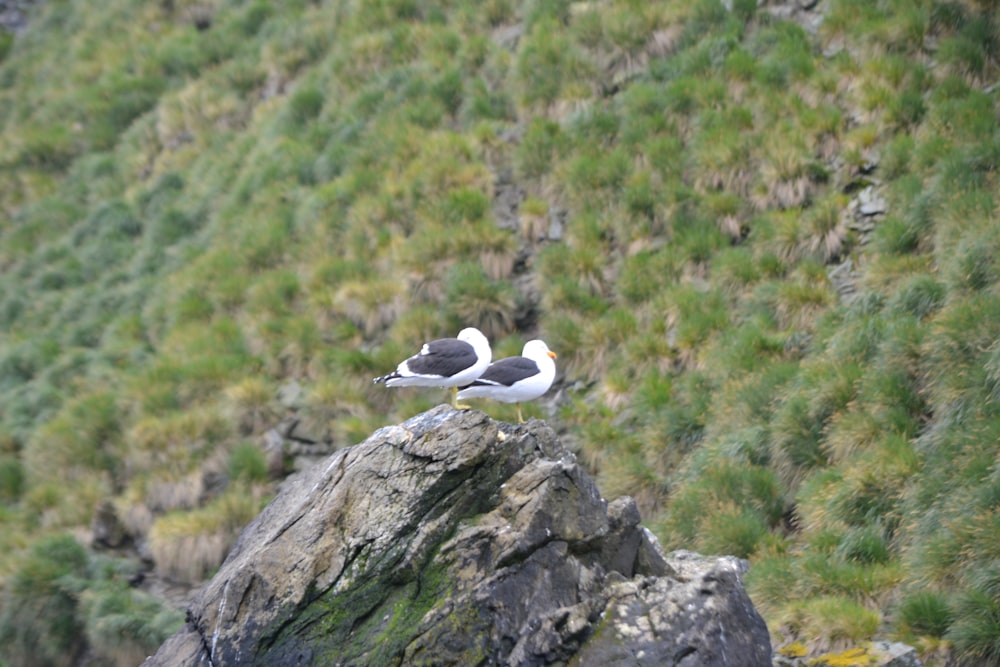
(14, 14)
(452, 539)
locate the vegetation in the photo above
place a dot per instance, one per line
(59, 600)
(765, 253)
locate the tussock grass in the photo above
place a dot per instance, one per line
(124, 627)
(976, 619)
(39, 621)
(727, 509)
(188, 546)
(954, 350)
(827, 236)
(476, 300)
(83, 446)
(252, 404)
(832, 620)
(225, 199)
(925, 613)
(176, 442)
(11, 478)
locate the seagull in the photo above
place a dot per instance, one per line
(516, 379)
(445, 362)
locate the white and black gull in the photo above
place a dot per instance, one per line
(516, 379)
(445, 362)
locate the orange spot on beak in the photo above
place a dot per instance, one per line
(553, 354)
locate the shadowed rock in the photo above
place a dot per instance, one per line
(452, 539)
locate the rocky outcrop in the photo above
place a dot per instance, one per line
(452, 539)
(14, 14)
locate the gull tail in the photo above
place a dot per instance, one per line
(386, 377)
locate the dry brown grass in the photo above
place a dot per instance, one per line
(534, 218)
(252, 404)
(188, 546)
(187, 558)
(371, 306)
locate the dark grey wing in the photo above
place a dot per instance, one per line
(506, 372)
(444, 357)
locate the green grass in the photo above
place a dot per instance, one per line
(81, 600)
(925, 613)
(225, 199)
(833, 619)
(40, 623)
(728, 508)
(247, 464)
(977, 619)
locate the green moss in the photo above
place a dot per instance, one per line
(374, 619)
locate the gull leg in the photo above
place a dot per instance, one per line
(520, 419)
(454, 400)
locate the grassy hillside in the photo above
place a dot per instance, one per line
(765, 251)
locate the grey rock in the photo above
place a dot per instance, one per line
(557, 223)
(508, 36)
(870, 202)
(106, 528)
(863, 225)
(896, 654)
(807, 13)
(680, 620)
(506, 201)
(274, 453)
(14, 14)
(845, 279)
(291, 395)
(453, 539)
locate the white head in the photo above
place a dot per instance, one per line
(537, 350)
(477, 340)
